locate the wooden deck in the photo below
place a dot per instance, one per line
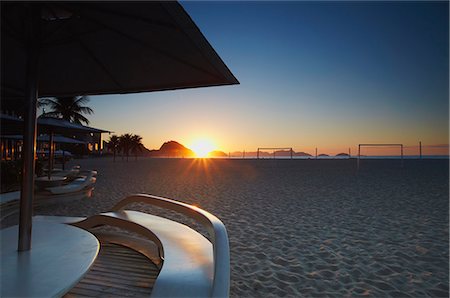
(118, 271)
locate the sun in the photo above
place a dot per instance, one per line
(202, 147)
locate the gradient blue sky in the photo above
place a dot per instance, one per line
(313, 74)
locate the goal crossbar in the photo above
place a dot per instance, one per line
(375, 145)
(380, 145)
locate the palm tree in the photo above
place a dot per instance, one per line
(125, 144)
(136, 145)
(67, 107)
(113, 145)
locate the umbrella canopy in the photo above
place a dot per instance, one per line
(86, 48)
(59, 139)
(46, 138)
(10, 124)
(109, 47)
(63, 126)
(14, 125)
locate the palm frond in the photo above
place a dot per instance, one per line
(86, 110)
(78, 118)
(113, 142)
(47, 101)
(68, 107)
(79, 100)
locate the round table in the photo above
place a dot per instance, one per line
(60, 256)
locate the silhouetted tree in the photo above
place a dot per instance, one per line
(125, 144)
(136, 145)
(113, 144)
(67, 107)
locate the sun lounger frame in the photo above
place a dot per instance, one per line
(216, 230)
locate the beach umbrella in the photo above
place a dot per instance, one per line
(46, 138)
(62, 126)
(52, 125)
(11, 125)
(88, 48)
(49, 125)
(57, 139)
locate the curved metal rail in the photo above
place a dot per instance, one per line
(214, 226)
(102, 220)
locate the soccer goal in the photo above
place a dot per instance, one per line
(380, 150)
(275, 152)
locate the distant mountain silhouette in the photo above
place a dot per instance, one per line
(217, 153)
(302, 154)
(253, 154)
(144, 151)
(342, 154)
(323, 154)
(175, 149)
(172, 149)
(283, 153)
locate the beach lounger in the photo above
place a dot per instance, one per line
(72, 173)
(79, 188)
(192, 265)
(76, 185)
(83, 174)
(9, 204)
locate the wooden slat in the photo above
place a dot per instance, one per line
(123, 269)
(78, 291)
(120, 284)
(130, 274)
(118, 271)
(124, 258)
(109, 285)
(126, 277)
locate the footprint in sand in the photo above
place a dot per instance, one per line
(421, 249)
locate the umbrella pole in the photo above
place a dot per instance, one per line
(50, 155)
(29, 134)
(64, 158)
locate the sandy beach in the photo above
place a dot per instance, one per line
(304, 227)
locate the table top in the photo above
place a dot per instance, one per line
(60, 256)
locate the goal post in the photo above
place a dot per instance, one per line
(380, 145)
(259, 152)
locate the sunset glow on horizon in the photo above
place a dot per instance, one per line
(326, 75)
(202, 147)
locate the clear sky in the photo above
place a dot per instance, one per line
(313, 74)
